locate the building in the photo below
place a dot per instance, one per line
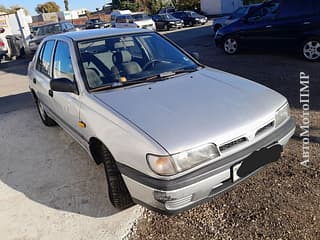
(219, 7)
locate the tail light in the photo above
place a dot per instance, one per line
(1, 44)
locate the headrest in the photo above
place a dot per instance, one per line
(122, 57)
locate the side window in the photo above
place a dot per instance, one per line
(44, 60)
(62, 65)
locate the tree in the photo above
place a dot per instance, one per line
(47, 7)
(188, 5)
(152, 6)
(12, 9)
(66, 5)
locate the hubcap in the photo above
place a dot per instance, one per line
(311, 50)
(230, 45)
(41, 110)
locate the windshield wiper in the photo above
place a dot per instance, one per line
(154, 78)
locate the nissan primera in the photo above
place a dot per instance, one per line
(170, 131)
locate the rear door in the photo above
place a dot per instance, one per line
(295, 17)
(42, 75)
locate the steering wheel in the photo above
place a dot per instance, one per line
(151, 63)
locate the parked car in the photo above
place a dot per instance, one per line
(292, 24)
(220, 22)
(190, 18)
(96, 23)
(170, 132)
(49, 29)
(166, 22)
(11, 46)
(3, 48)
(135, 20)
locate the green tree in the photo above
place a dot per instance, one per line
(152, 6)
(47, 7)
(188, 5)
(66, 5)
(132, 6)
(12, 9)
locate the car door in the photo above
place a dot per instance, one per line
(257, 30)
(295, 18)
(42, 74)
(66, 105)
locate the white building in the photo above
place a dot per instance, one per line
(217, 7)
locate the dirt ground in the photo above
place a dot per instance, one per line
(280, 202)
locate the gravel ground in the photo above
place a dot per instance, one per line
(280, 202)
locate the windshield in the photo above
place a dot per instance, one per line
(126, 59)
(140, 16)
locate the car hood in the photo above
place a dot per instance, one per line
(195, 108)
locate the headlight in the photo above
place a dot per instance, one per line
(172, 22)
(197, 19)
(170, 165)
(282, 114)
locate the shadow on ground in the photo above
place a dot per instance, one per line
(49, 167)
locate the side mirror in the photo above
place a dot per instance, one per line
(63, 85)
(196, 55)
(130, 21)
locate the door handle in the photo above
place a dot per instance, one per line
(34, 81)
(306, 23)
(269, 26)
(50, 93)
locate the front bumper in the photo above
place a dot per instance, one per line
(173, 196)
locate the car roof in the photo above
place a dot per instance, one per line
(98, 33)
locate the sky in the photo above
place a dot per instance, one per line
(30, 5)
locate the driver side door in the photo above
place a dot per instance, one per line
(66, 105)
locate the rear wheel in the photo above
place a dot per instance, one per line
(311, 49)
(118, 191)
(230, 45)
(43, 115)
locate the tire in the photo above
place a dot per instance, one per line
(311, 49)
(118, 192)
(230, 45)
(49, 122)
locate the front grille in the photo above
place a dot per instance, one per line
(265, 128)
(232, 144)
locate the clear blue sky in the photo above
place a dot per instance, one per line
(73, 4)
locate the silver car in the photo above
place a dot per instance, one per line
(170, 131)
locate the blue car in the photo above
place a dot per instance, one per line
(286, 24)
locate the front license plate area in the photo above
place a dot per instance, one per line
(255, 161)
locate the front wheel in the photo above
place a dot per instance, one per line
(230, 45)
(118, 192)
(311, 49)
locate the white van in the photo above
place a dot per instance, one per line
(117, 13)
